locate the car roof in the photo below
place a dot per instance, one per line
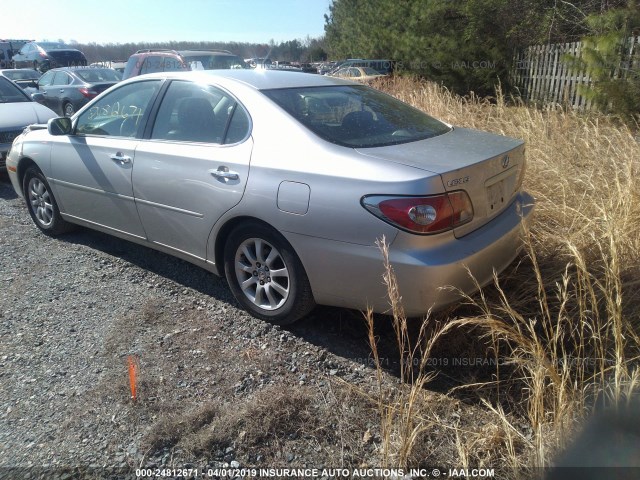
(79, 68)
(260, 79)
(203, 52)
(18, 70)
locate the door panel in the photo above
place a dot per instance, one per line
(93, 186)
(91, 170)
(182, 189)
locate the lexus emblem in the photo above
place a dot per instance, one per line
(505, 161)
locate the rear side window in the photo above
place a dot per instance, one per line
(46, 78)
(191, 112)
(238, 127)
(61, 78)
(356, 116)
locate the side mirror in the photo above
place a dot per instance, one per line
(37, 97)
(59, 126)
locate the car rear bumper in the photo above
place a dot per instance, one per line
(431, 273)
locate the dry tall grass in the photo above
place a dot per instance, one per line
(568, 321)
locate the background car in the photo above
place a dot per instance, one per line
(17, 110)
(43, 56)
(360, 74)
(382, 66)
(66, 90)
(152, 61)
(212, 59)
(8, 48)
(118, 66)
(25, 78)
(283, 183)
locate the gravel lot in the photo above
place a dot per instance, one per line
(216, 387)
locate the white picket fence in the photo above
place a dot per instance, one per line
(542, 74)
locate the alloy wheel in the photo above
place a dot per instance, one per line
(262, 274)
(40, 201)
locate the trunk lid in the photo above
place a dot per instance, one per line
(101, 87)
(488, 167)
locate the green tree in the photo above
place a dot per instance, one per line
(606, 56)
(466, 44)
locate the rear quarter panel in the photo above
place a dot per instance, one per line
(337, 177)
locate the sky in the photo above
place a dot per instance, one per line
(122, 21)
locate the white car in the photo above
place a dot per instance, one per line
(17, 110)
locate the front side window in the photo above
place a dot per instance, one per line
(356, 116)
(120, 113)
(192, 112)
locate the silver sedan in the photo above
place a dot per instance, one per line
(283, 183)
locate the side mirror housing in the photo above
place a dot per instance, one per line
(59, 126)
(37, 97)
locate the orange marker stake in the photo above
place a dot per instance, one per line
(133, 375)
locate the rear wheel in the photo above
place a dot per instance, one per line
(42, 205)
(266, 276)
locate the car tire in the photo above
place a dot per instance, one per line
(253, 252)
(42, 205)
(68, 109)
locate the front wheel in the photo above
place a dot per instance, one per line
(41, 204)
(266, 276)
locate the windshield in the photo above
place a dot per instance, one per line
(95, 75)
(11, 93)
(356, 116)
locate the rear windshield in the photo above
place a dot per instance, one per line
(213, 62)
(21, 74)
(356, 115)
(98, 75)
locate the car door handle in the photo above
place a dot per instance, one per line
(62, 90)
(119, 157)
(224, 173)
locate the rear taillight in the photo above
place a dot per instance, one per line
(87, 93)
(424, 215)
